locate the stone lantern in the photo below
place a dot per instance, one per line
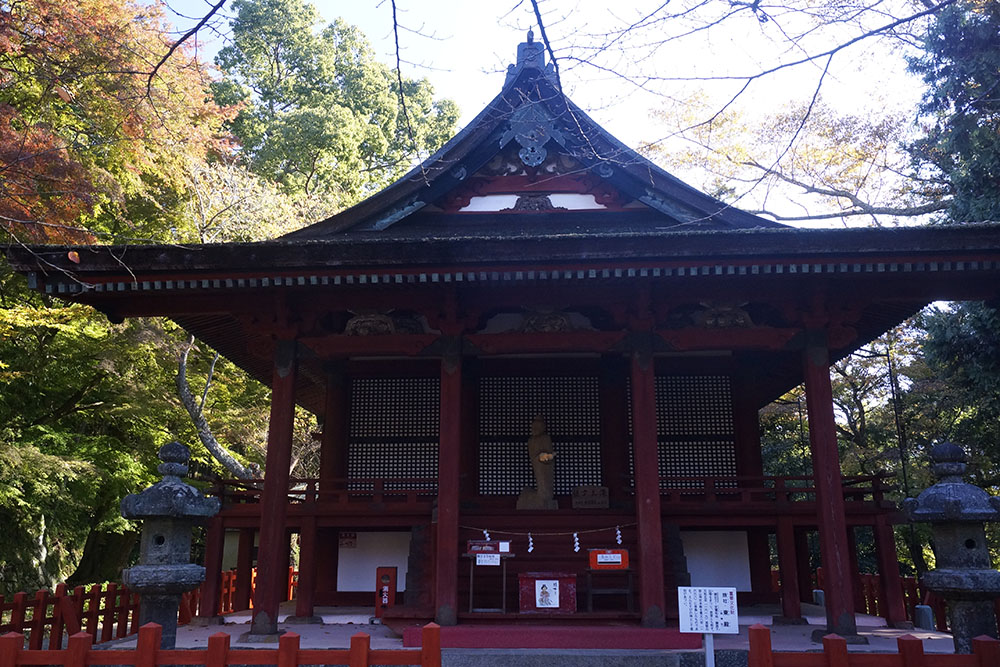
(169, 510)
(964, 575)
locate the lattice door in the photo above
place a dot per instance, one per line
(570, 406)
(393, 430)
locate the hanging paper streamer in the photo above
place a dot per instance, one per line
(618, 534)
(486, 535)
(531, 544)
(576, 542)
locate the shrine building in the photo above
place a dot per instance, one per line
(535, 266)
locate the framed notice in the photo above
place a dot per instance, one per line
(547, 593)
(708, 610)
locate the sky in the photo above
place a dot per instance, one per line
(464, 47)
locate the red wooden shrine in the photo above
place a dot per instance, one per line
(535, 265)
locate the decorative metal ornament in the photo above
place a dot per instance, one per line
(532, 127)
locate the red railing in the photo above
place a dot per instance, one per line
(147, 653)
(338, 492)
(768, 489)
(227, 589)
(986, 653)
(105, 612)
(870, 596)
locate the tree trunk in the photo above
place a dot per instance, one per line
(104, 556)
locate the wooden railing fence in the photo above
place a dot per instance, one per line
(986, 653)
(147, 653)
(104, 611)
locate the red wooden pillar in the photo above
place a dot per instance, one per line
(305, 592)
(833, 540)
(614, 428)
(449, 467)
(802, 559)
(211, 589)
(244, 569)
(888, 568)
(791, 594)
(647, 489)
(333, 444)
(750, 467)
(272, 555)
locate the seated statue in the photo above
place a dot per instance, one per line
(542, 455)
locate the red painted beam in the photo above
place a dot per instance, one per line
(834, 543)
(647, 490)
(273, 549)
(449, 467)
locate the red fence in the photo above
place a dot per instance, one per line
(79, 652)
(103, 611)
(986, 653)
(869, 594)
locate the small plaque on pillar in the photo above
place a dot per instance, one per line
(590, 498)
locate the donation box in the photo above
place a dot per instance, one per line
(547, 592)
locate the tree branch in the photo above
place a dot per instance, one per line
(198, 418)
(176, 45)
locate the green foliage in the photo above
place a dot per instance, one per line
(318, 113)
(963, 350)
(961, 65)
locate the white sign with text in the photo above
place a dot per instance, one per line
(708, 610)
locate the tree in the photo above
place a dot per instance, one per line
(318, 112)
(91, 135)
(960, 63)
(800, 164)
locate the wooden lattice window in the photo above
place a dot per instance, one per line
(571, 408)
(695, 428)
(393, 429)
(695, 431)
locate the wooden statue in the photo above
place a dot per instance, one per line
(541, 454)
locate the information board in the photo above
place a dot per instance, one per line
(708, 610)
(487, 559)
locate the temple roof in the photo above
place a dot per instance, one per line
(532, 162)
(533, 204)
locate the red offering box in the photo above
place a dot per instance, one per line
(608, 559)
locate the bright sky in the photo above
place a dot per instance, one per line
(464, 46)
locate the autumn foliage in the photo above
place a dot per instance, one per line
(95, 131)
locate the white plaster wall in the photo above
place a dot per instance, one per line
(384, 549)
(231, 548)
(717, 558)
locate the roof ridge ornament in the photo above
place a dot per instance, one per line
(530, 55)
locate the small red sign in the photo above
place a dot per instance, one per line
(608, 559)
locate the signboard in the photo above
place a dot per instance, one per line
(608, 559)
(349, 540)
(590, 497)
(487, 547)
(708, 610)
(487, 559)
